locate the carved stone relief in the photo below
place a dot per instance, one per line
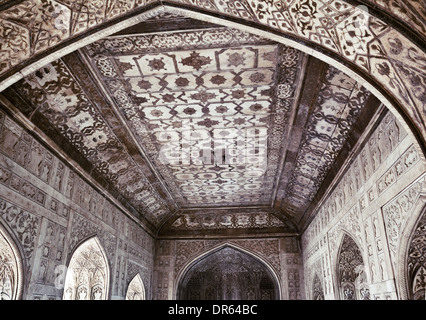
(207, 107)
(136, 290)
(23, 223)
(238, 220)
(351, 222)
(83, 229)
(339, 103)
(44, 239)
(387, 56)
(223, 96)
(334, 205)
(68, 108)
(396, 212)
(282, 256)
(135, 269)
(318, 292)
(353, 33)
(49, 262)
(384, 164)
(88, 273)
(320, 269)
(11, 273)
(416, 262)
(352, 281)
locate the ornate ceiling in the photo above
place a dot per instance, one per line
(199, 127)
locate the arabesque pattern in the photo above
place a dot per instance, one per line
(211, 111)
(68, 108)
(387, 56)
(210, 119)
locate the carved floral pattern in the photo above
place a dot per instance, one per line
(68, 109)
(23, 223)
(346, 209)
(226, 221)
(10, 277)
(88, 273)
(318, 292)
(416, 261)
(225, 95)
(82, 229)
(267, 248)
(34, 169)
(350, 272)
(396, 212)
(352, 32)
(136, 290)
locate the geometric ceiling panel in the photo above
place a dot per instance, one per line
(194, 126)
(210, 116)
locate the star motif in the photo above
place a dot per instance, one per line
(196, 61)
(156, 64)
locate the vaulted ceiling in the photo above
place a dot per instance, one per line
(197, 128)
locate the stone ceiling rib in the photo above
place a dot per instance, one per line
(314, 74)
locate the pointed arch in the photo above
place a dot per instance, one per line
(352, 283)
(411, 271)
(265, 284)
(88, 274)
(317, 288)
(11, 268)
(136, 289)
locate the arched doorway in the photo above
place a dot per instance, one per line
(227, 274)
(11, 274)
(351, 277)
(136, 289)
(318, 291)
(416, 261)
(87, 277)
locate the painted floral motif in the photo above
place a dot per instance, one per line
(156, 64)
(332, 25)
(205, 97)
(235, 59)
(196, 60)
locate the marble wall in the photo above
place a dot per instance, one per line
(374, 202)
(49, 209)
